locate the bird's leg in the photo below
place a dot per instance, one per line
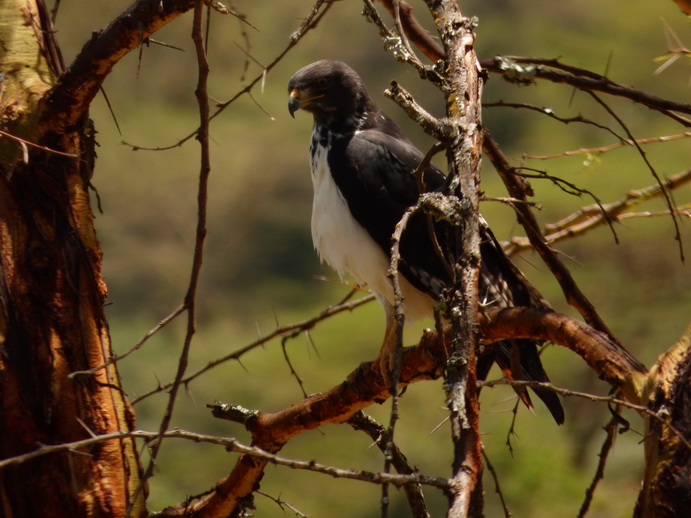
(386, 360)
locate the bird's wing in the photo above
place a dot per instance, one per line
(374, 172)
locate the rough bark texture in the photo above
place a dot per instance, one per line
(21, 88)
(52, 295)
(666, 491)
(463, 91)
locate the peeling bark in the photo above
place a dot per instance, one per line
(52, 294)
(666, 491)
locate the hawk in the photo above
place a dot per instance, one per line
(363, 168)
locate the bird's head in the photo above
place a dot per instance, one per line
(330, 90)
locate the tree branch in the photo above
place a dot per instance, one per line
(462, 88)
(365, 386)
(416, 499)
(190, 301)
(595, 215)
(415, 32)
(71, 97)
(288, 330)
(539, 68)
(516, 188)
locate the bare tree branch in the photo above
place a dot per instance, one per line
(318, 11)
(415, 32)
(549, 112)
(656, 176)
(462, 89)
(200, 235)
(289, 330)
(592, 216)
(527, 219)
(610, 431)
(233, 445)
(557, 72)
(416, 499)
(605, 149)
(365, 386)
(70, 99)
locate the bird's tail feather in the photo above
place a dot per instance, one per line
(525, 367)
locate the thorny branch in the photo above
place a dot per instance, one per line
(289, 330)
(416, 499)
(394, 277)
(114, 359)
(557, 72)
(364, 386)
(653, 172)
(611, 147)
(233, 445)
(660, 416)
(592, 216)
(411, 28)
(570, 289)
(497, 487)
(318, 11)
(70, 99)
(549, 112)
(610, 434)
(200, 235)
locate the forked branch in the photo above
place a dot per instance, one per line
(365, 386)
(70, 99)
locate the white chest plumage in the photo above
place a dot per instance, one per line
(347, 247)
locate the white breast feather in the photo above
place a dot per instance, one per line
(347, 247)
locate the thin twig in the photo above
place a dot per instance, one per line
(231, 444)
(550, 113)
(111, 110)
(282, 503)
(293, 372)
(23, 142)
(573, 294)
(497, 487)
(399, 316)
(291, 329)
(318, 11)
(163, 323)
(416, 499)
(246, 38)
(557, 72)
(200, 235)
(644, 156)
(611, 147)
(611, 433)
(662, 417)
(592, 216)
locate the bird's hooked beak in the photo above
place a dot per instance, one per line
(294, 102)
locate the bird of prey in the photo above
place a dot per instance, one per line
(363, 168)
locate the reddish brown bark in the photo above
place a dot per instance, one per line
(364, 387)
(52, 294)
(666, 491)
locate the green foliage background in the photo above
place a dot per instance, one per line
(260, 267)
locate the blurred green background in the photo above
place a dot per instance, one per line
(260, 269)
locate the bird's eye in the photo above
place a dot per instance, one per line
(322, 82)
